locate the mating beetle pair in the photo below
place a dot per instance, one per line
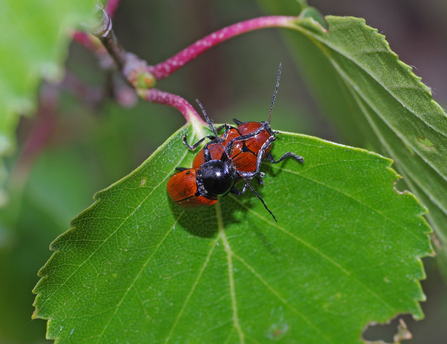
(235, 155)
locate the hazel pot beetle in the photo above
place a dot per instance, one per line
(235, 155)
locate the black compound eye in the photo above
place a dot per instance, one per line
(217, 177)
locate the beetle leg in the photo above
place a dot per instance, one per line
(230, 144)
(238, 192)
(181, 169)
(195, 145)
(247, 184)
(227, 130)
(250, 175)
(238, 122)
(206, 153)
(226, 126)
(298, 158)
(259, 178)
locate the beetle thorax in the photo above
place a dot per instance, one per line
(218, 176)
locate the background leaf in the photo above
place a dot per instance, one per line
(33, 44)
(135, 267)
(90, 153)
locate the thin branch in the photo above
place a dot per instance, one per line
(36, 141)
(135, 71)
(131, 66)
(106, 35)
(166, 68)
(143, 77)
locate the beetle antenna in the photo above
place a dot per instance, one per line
(260, 198)
(276, 91)
(212, 127)
(207, 118)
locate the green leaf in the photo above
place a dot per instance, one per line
(375, 99)
(137, 268)
(33, 43)
(59, 185)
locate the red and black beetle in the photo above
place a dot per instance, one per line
(235, 155)
(247, 145)
(194, 187)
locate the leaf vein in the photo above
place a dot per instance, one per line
(359, 201)
(134, 280)
(283, 300)
(229, 253)
(191, 291)
(329, 259)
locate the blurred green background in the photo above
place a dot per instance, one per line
(81, 140)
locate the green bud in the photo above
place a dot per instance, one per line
(145, 80)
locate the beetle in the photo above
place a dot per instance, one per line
(193, 187)
(235, 155)
(247, 145)
(200, 186)
(196, 187)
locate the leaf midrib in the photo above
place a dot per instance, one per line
(385, 144)
(327, 43)
(350, 82)
(348, 57)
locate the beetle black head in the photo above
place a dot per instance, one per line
(218, 176)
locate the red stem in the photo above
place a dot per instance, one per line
(40, 134)
(166, 68)
(112, 6)
(83, 39)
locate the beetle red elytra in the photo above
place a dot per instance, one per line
(235, 155)
(187, 190)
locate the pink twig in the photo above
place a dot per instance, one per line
(83, 39)
(166, 68)
(156, 96)
(134, 69)
(39, 136)
(112, 6)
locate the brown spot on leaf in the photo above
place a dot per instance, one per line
(426, 142)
